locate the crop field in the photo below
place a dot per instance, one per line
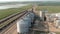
(7, 12)
(50, 9)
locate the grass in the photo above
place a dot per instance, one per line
(50, 9)
(41, 32)
(57, 32)
(7, 22)
(8, 12)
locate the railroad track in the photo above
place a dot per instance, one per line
(10, 29)
(5, 23)
(7, 18)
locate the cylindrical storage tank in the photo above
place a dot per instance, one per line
(22, 26)
(24, 23)
(28, 21)
(28, 18)
(42, 15)
(32, 17)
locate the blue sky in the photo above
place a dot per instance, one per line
(25, 0)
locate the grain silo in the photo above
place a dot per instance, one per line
(24, 24)
(28, 18)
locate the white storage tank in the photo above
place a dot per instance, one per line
(42, 15)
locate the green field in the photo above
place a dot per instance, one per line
(50, 9)
(57, 32)
(7, 12)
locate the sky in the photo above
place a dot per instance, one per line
(25, 0)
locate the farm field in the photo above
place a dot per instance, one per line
(10, 12)
(50, 9)
(7, 12)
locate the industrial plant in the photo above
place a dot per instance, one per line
(35, 17)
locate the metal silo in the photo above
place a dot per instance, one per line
(28, 18)
(24, 23)
(31, 17)
(22, 26)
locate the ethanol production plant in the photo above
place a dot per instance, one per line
(24, 23)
